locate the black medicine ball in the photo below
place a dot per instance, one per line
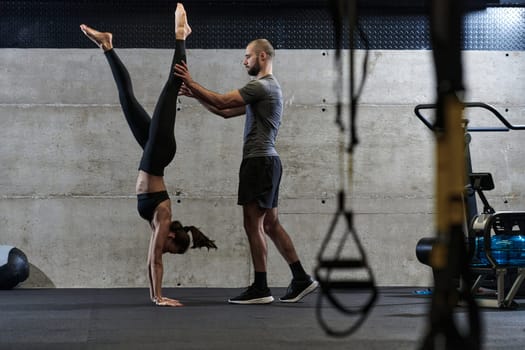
(15, 268)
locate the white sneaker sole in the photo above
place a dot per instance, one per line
(265, 300)
(304, 293)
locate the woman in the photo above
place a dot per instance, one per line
(155, 136)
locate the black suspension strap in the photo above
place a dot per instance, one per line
(332, 288)
(449, 257)
(333, 271)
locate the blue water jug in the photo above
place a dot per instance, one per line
(507, 250)
(479, 258)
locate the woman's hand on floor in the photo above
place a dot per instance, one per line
(163, 301)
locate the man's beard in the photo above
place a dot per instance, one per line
(254, 71)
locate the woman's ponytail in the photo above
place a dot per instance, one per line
(199, 239)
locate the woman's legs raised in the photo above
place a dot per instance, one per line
(161, 146)
(155, 135)
(137, 118)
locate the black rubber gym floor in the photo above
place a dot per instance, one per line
(124, 319)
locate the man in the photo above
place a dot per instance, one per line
(260, 173)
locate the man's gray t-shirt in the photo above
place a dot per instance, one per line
(264, 109)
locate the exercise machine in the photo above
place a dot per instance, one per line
(495, 239)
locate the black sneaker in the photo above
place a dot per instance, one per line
(253, 295)
(298, 290)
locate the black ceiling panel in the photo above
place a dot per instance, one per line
(289, 24)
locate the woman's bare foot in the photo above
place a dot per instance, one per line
(182, 29)
(102, 40)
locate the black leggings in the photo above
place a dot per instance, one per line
(155, 135)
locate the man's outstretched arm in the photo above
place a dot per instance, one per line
(225, 113)
(218, 102)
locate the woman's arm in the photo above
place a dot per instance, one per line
(150, 278)
(161, 224)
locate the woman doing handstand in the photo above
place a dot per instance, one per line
(156, 137)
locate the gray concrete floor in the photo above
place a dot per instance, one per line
(124, 319)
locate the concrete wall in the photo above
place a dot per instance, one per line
(69, 162)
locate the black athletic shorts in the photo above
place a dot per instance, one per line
(259, 180)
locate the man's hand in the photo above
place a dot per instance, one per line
(184, 91)
(182, 71)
